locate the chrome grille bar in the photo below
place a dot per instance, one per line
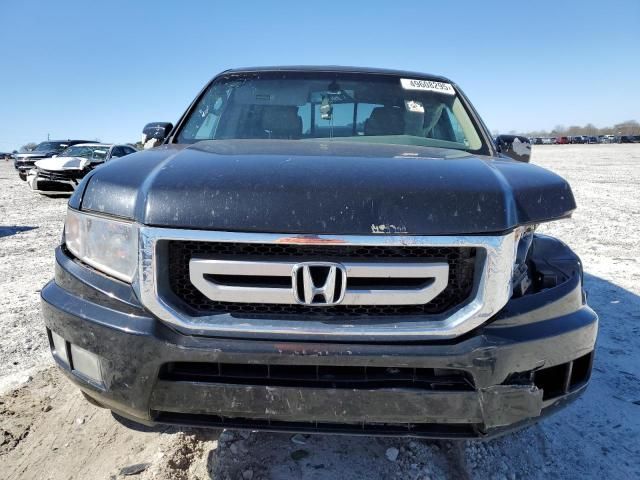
(199, 268)
(435, 275)
(436, 272)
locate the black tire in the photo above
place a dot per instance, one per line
(23, 176)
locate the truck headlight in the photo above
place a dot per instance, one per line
(106, 244)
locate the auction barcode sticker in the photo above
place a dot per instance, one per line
(428, 85)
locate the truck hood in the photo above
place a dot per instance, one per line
(62, 163)
(324, 187)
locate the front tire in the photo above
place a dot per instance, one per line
(23, 176)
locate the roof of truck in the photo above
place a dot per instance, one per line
(338, 69)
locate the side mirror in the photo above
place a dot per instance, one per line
(516, 147)
(157, 130)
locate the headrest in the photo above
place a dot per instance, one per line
(282, 122)
(385, 121)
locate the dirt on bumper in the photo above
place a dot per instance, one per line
(549, 329)
(496, 406)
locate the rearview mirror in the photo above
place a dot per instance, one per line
(157, 130)
(516, 147)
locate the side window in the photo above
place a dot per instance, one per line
(441, 124)
(117, 152)
(203, 122)
(128, 150)
(208, 127)
(458, 133)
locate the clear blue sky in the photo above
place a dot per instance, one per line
(88, 69)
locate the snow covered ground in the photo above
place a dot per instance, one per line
(48, 431)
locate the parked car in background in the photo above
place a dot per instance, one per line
(625, 139)
(592, 140)
(24, 161)
(562, 140)
(517, 147)
(63, 173)
(636, 138)
(576, 139)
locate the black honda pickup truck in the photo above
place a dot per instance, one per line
(323, 249)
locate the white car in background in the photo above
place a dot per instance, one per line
(62, 173)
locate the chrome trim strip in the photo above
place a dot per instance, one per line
(199, 267)
(491, 292)
(438, 272)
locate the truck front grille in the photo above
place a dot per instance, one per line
(460, 260)
(59, 175)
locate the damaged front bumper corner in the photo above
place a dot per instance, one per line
(532, 357)
(504, 405)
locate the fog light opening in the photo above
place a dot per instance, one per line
(86, 363)
(564, 378)
(581, 371)
(59, 348)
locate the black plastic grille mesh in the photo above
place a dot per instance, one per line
(461, 262)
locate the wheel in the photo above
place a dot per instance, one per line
(23, 176)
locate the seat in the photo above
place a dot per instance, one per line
(282, 122)
(385, 121)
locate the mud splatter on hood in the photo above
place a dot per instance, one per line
(324, 187)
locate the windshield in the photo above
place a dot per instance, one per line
(50, 147)
(94, 153)
(332, 106)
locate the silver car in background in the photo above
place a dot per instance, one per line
(62, 173)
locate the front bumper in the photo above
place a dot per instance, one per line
(552, 333)
(45, 181)
(23, 166)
